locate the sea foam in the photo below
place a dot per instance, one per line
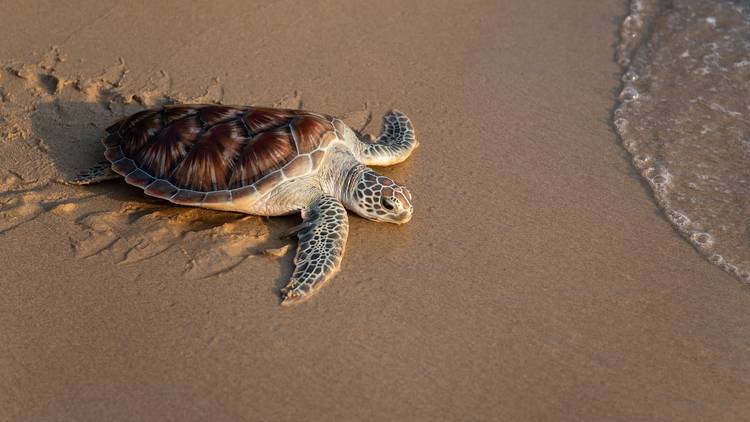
(684, 117)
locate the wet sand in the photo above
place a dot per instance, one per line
(537, 280)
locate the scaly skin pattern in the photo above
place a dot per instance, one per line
(266, 162)
(321, 246)
(393, 146)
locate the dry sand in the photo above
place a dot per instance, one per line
(537, 281)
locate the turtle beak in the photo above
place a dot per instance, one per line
(403, 217)
(403, 199)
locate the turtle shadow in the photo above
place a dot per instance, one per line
(71, 131)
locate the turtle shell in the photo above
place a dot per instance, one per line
(204, 154)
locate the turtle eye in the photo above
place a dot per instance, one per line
(387, 204)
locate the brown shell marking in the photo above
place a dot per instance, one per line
(260, 119)
(182, 152)
(128, 122)
(308, 133)
(168, 147)
(264, 154)
(207, 166)
(140, 133)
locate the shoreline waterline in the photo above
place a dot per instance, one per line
(684, 117)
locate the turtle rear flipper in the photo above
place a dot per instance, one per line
(101, 172)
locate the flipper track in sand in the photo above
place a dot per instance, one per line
(50, 126)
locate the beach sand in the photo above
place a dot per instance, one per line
(537, 281)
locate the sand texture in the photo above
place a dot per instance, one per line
(537, 280)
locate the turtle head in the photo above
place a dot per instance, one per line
(377, 197)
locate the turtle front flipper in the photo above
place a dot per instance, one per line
(101, 172)
(395, 143)
(321, 246)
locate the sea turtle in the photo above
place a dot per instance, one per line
(265, 161)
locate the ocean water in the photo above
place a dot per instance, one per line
(684, 117)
